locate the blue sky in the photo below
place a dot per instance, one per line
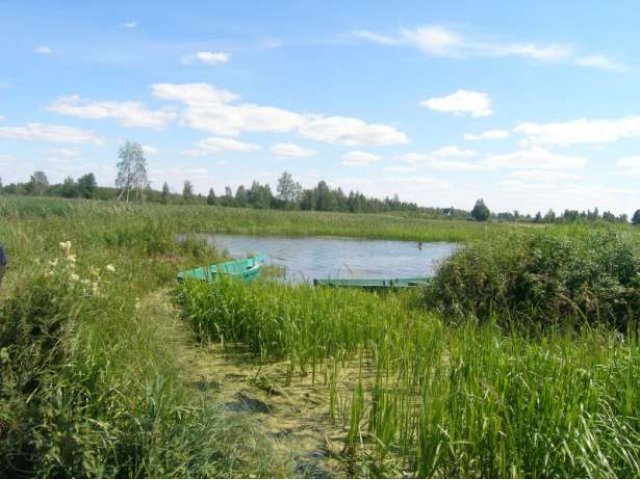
(529, 105)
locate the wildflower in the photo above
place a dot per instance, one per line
(74, 277)
(65, 246)
(71, 258)
(53, 263)
(110, 268)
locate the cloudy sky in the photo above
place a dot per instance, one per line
(529, 105)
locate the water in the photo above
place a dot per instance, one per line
(307, 258)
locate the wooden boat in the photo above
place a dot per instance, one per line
(372, 283)
(246, 269)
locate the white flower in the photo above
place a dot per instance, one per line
(71, 258)
(65, 246)
(74, 277)
(110, 268)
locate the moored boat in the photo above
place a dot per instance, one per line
(246, 269)
(371, 283)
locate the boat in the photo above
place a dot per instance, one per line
(245, 269)
(372, 283)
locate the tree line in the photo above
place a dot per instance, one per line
(132, 184)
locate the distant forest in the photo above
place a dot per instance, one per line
(289, 195)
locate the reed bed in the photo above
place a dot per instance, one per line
(438, 399)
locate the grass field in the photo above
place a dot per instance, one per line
(107, 370)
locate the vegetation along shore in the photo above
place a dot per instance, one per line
(519, 359)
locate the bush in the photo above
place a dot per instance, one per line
(543, 278)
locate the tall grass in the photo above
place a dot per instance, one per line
(439, 399)
(90, 380)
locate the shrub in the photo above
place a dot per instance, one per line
(543, 278)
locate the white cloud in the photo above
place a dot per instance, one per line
(128, 113)
(350, 131)
(629, 162)
(581, 131)
(441, 41)
(214, 145)
(476, 104)
(49, 133)
(63, 154)
(130, 24)
(377, 38)
(291, 150)
(420, 180)
(149, 149)
(208, 108)
(359, 159)
(211, 109)
(630, 166)
(545, 176)
(43, 50)
(208, 58)
(487, 135)
(536, 158)
(400, 169)
(437, 161)
(602, 62)
(453, 151)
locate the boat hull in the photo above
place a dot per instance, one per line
(245, 269)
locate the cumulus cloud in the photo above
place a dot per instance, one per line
(446, 159)
(442, 41)
(49, 133)
(128, 113)
(359, 159)
(461, 102)
(487, 135)
(580, 131)
(129, 24)
(208, 58)
(350, 131)
(214, 145)
(291, 150)
(214, 110)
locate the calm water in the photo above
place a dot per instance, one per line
(307, 258)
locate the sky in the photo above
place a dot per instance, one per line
(530, 105)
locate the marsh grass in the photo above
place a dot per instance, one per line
(90, 385)
(440, 399)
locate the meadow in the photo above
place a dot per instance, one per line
(519, 360)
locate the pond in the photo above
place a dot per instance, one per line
(306, 258)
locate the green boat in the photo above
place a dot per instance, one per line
(246, 269)
(372, 283)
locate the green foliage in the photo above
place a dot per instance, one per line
(543, 278)
(480, 211)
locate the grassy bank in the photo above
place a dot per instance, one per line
(93, 370)
(250, 221)
(90, 353)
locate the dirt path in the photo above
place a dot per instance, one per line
(291, 411)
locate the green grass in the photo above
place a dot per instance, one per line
(91, 375)
(438, 399)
